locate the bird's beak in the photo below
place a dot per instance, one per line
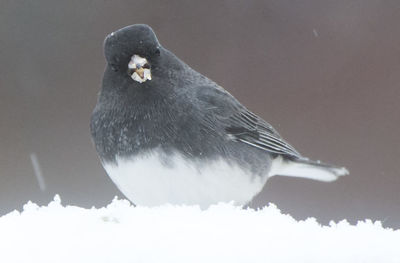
(139, 69)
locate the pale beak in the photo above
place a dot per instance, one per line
(139, 69)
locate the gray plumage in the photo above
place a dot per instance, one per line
(179, 110)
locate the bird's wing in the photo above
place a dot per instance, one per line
(241, 124)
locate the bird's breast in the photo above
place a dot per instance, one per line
(155, 178)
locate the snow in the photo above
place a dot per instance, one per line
(121, 232)
(38, 171)
(141, 74)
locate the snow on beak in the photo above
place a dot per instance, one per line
(139, 69)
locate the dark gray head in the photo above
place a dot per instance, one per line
(136, 61)
(133, 50)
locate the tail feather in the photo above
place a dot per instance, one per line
(306, 168)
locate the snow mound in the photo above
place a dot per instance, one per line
(223, 233)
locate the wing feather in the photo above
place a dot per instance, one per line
(241, 124)
(258, 133)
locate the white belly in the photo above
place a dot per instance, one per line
(150, 181)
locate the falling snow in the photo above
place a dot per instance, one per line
(315, 32)
(38, 171)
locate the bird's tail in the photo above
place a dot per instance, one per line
(306, 168)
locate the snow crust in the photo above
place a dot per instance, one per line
(121, 232)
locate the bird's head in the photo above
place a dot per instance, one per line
(133, 50)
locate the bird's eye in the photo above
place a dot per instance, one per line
(158, 51)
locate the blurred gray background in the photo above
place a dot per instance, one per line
(326, 74)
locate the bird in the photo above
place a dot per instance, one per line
(166, 134)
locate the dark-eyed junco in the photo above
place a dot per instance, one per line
(167, 134)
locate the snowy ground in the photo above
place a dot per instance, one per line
(223, 233)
